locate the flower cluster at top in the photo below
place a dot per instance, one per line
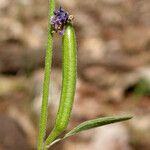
(59, 20)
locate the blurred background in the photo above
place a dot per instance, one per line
(113, 72)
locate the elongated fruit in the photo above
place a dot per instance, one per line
(68, 83)
(69, 78)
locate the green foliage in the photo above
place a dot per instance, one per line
(69, 68)
(97, 123)
(90, 124)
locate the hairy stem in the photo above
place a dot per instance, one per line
(48, 62)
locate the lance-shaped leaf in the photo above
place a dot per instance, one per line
(96, 123)
(92, 124)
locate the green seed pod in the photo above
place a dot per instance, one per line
(69, 61)
(69, 78)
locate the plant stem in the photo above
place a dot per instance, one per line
(53, 135)
(48, 62)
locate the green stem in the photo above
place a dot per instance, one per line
(53, 135)
(48, 62)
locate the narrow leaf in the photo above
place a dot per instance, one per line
(92, 124)
(96, 123)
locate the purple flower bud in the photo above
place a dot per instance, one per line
(59, 20)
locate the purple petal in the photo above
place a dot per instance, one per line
(59, 20)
